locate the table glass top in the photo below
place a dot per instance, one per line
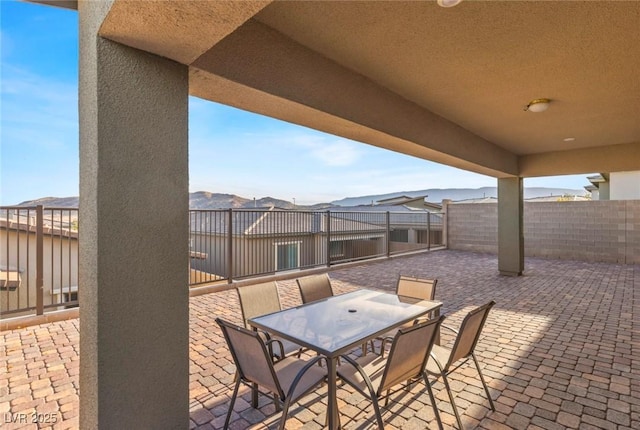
(331, 326)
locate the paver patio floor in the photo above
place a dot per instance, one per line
(561, 349)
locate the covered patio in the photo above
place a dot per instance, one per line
(561, 349)
(450, 85)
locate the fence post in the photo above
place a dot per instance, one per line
(388, 244)
(328, 238)
(39, 260)
(445, 222)
(230, 247)
(428, 230)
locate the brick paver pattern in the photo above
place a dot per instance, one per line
(561, 349)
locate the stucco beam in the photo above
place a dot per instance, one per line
(212, 87)
(178, 30)
(258, 57)
(612, 158)
(65, 4)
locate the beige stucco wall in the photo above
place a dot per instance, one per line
(60, 268)
(624, 185)
(606, 231)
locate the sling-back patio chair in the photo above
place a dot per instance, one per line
(261, 299)
(416, 288)
(314, 287)
(374, 376)
(317, 287)
(287, 379)
(443, 359)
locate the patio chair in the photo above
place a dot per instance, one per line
(287, 379)
(417, 288)
(318, 287)
(443, 359)
(262, 299)
(314, 287)
(373, 376)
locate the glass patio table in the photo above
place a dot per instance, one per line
(336, 325)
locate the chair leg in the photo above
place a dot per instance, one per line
(254, 395)
(376, 408)
(233, 401)
(453, 403)
(484, 384)
(432, 398)
(276, 402)
(383, 344)
(285, 412)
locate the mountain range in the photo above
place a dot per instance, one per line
(208, 200)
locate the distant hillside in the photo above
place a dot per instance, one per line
(207, 200)
(53, 202)
(436, 195)
(197, 200)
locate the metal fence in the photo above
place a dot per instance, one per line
(38, 259)
(39, 247)
(232, 244)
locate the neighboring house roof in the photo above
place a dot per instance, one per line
(566, 198)
(30, 227)
(479, 200)
(376, 208)
(531, 200)
(412, 202)
(398, 200)
(598, 179)
(398, 215)
(273, 222)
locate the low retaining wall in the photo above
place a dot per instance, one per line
(606, 231)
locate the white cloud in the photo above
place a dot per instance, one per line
(337, 153)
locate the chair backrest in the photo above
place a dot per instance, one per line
(424, 289)
(258, 299)
(469, 333)
(409, 353)
(314, 287)
(250, 356)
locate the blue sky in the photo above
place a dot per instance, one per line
(230, 151)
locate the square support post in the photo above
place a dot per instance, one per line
(134, 223)
(510, 227)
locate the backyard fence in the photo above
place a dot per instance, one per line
(38, 259)
(39, 247)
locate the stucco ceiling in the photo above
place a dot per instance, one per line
(446, 84)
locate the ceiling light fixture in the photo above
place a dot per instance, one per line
(569, 139)
(449, 3)
(538, 105)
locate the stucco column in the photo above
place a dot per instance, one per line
(510, 227)
(134, 309)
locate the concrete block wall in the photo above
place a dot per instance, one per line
(473, 227)
(606, 231)
(633, 231)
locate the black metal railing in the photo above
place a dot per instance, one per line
(38, 259)
(39, 247)
(232, 244)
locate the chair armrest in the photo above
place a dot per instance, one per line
(265, 334)
(449, 328)
(269, 344)
(420, 320)
(365, 377)
(304, 370)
